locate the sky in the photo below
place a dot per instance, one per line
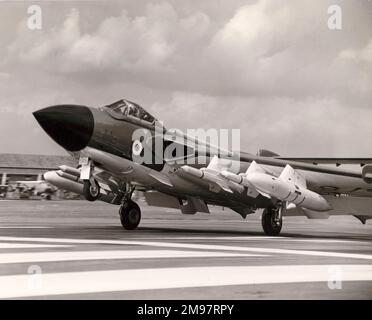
(271, 68)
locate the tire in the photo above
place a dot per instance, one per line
(89, 193)
(130, 215)
(270, 227)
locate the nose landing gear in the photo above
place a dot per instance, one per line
(91, 190)
(272, 220)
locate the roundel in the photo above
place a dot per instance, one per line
(137, 148)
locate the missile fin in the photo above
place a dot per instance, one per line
(255, 167)
(224, 187)
(218, 164)
(264, 194)
(290, 206)
(290, 174)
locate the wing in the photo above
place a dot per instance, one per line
(301, 165)
(335, 161)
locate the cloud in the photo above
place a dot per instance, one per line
(275, 48)
(362, 55)
(141, 43)
(265, 48)
(272, 68)
(311, 127)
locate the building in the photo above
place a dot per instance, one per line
(15, 167)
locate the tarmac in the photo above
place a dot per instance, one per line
(78, 250)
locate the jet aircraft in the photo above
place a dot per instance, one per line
(110, 140)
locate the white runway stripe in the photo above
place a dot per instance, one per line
(9, 245)
(237, 238)
(165, 278)
(247, 238)
(28, 257)
(24, 227)
(198, 247)
(212, 238)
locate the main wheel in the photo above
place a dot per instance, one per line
(90, 192)
(270, 224)
(130, 215)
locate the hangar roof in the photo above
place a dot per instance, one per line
(31, 161)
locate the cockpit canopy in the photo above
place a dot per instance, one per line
(127, 108)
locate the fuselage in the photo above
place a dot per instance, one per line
(115, 136)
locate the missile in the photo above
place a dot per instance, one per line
(212, 176)
(237, 178)
(290, 187)
(193, 171)
(60, 181)
(70, 170)
(55, 178)
(241, 180)
(285, 190)
(67, 176)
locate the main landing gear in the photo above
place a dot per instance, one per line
(129, 212)
(130, 215)
(272, 220)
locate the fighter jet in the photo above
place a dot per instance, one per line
(122, 148)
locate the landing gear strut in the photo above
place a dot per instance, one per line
(129, 212)
(272, 221)
(91, 189)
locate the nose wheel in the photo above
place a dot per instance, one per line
(130, 215)
(91, 190)
(272, 221)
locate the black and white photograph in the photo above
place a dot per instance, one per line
(202, 152)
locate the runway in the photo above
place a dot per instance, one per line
(78, 250)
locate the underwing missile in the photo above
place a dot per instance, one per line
(212, 177)
(70, 170)
(288, 191)
(289, 187)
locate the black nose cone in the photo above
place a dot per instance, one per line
(71, 126)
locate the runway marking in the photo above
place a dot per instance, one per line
(9, 245)
(24, 227)
(214, 238)
(17, 286)
(26, 257)
(248, 238)
(197, 247)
